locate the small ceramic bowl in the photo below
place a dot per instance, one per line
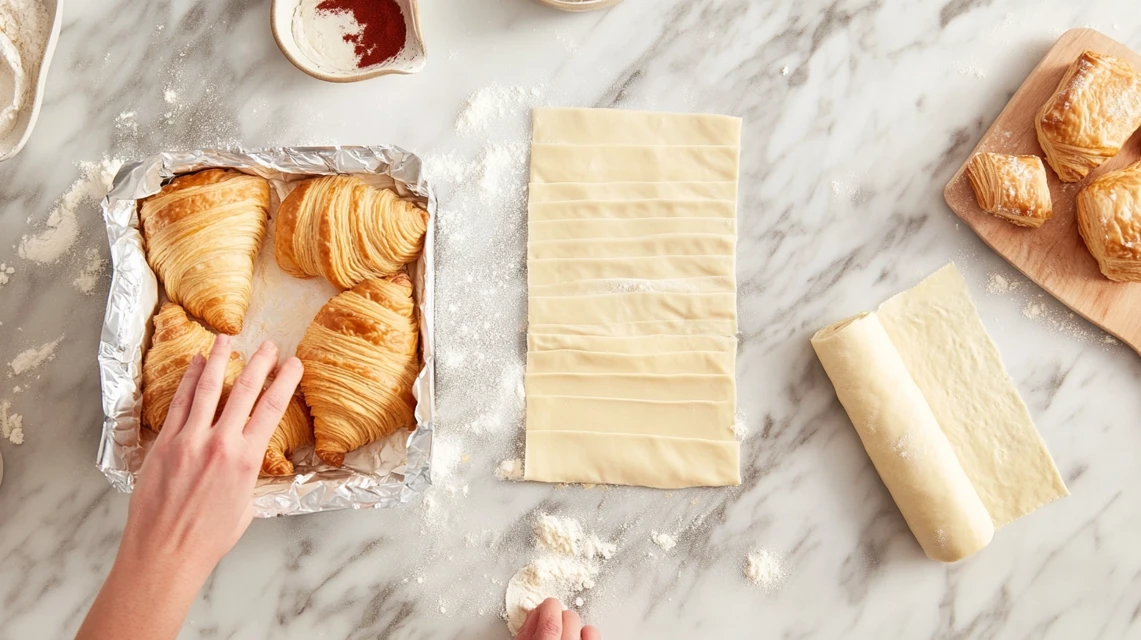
(580, 5)
(410, 60)
(11, 144)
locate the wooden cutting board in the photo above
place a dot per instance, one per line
(1054, 255)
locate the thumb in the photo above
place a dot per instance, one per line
(549, 625)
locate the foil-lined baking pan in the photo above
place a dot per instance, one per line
(384, 474)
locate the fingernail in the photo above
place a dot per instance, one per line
(197, 360)
(222, 340)
(267, 346)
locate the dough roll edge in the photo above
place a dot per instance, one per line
(906, 445)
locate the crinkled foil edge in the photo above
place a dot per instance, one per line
(133, 299)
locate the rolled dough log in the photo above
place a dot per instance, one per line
(903, 439)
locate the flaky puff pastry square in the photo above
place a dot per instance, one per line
(1090, 116)
(1109, 218)
(1011, 187)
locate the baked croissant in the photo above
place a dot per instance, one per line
(176, 340)
(294, 431)
(1109, 219)
(346, 230)
(360, 356)
(1090, 116)
(1011, 187)
(203, 231)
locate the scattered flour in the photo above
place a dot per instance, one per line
(90, 273)
(764, 569)
(784, 71)
(5, 273)
(510, 470)
(50, 245)
(32, 358)
(11, 424)
(1000, 284)
(740, 428)
(663, 540)
(169, 95)
(493, 103)
(567, 565)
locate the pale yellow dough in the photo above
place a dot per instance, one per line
(540, 192)
(656, 343)
(704, 284)
(612, 228)
(636, 386)
(620, 126)
(632, 307)
(671, 418)
(631, 163)
(649, 327)
(541, 272)
(669, 244)
(595, 209)
(930, 338)
(632, 298)
(685, 362)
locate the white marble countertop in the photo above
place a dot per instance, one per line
(856, 115)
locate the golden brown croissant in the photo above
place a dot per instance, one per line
(1109, 219)
(176, 340)
(203, 232)
(1011, 187)
(360, 356)
(346, 230)
(1090, 116)
(295, 430)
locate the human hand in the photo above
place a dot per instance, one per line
(193, 499)
(548, 621)
(194, 496)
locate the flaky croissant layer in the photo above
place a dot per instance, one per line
(346, 230)
(361, 358)
(203, 232)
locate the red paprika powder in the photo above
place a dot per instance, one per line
(383, 33)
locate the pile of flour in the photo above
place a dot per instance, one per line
(24, 29)
(569, 562)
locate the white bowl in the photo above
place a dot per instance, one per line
(580, 5)
(411, 60)
(11, 144)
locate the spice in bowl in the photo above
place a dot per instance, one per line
(340, 36)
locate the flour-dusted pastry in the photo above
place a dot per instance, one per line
(1094, 110)
(1011, 187)
(1109, 219)
(176, 340)
(203, 231)
(361, 358)
(347, 230)
(295, 430)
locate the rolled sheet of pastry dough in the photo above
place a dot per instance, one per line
(903, 439)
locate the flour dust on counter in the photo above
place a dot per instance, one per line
(569, 563)
(11, 424)
(61, 230)
(29, 359)
(6, 273)
(765, 569)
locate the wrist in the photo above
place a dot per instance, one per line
(146, 564)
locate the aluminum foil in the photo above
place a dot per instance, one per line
(388, 475)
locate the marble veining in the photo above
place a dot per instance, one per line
(857, 112)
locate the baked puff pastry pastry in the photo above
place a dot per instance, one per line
(294, 431)
(361, 358)
(176, 340)
(203, 232)
(1109, 218)
(1011, 187)
(1093, 112)
(346, 230)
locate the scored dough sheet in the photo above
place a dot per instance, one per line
(940, 418)
(632, 307)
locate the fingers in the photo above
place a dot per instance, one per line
(549, 620)
(527, 631)
(209, 387)
(248, 387)
(572, 626)
(590, 633)
(273, 404)
(183, 399)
